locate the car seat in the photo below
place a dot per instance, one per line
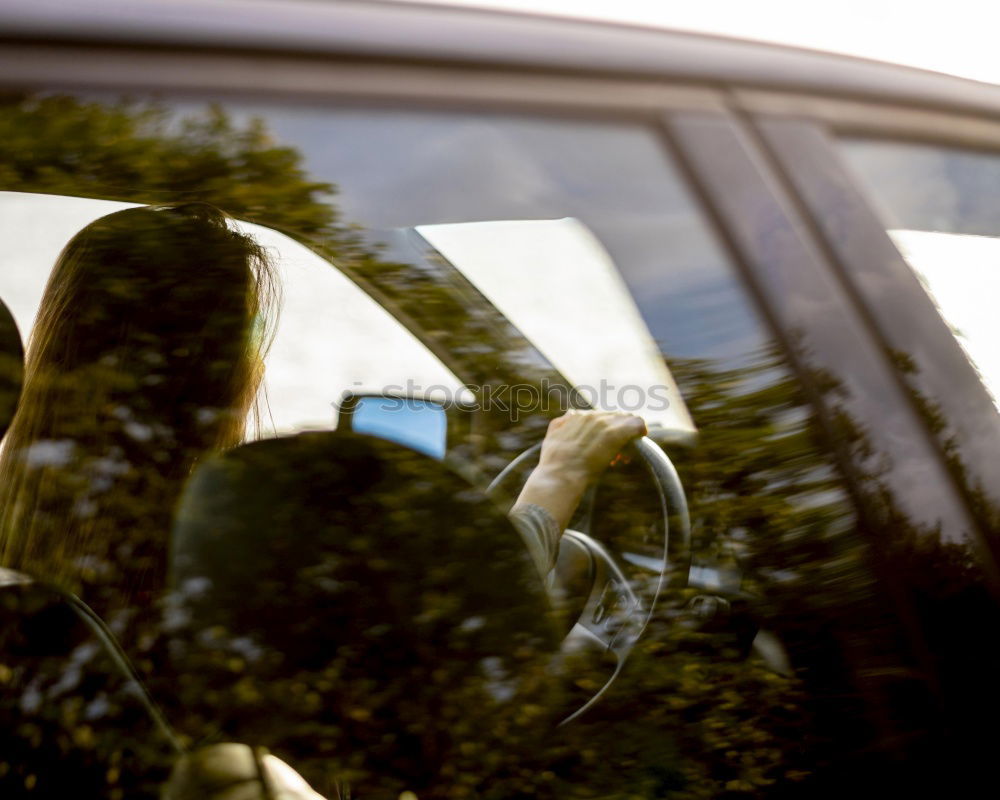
(353, 604)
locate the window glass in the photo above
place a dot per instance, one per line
(359, 608)
(942, 211)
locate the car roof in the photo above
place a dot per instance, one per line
(484, 37)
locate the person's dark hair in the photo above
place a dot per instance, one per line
(11, 367)
(147, 352)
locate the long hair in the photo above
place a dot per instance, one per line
(147, 354)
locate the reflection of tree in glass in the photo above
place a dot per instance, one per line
(468, 333)
(953, 591)
(143, 153)
(71, 724)
(882, 617)
(689, 718)
(845, 596)
(146, 351)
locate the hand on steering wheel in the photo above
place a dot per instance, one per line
(576, 451)
(577, 448)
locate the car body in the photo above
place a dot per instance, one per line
(758, 203)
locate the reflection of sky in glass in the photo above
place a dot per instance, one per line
(962, 275)
(553, 280)
(400, 169)
(942, 209)
(926, 188)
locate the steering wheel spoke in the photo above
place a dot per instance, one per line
(612, 608)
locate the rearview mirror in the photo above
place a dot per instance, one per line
(416, 423)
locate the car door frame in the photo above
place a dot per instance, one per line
(799, 134)
(770, 235)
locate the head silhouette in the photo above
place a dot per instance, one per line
(146, 354)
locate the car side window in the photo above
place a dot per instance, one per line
(542, 262)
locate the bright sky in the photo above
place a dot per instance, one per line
(957, 36)
(545, 274)
(962, 275)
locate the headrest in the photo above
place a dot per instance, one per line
(11, 367)
(366, 577)
(304, 530)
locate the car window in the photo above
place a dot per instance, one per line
(940, 207)
(505, 256)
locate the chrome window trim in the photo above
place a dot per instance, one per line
(321, 80)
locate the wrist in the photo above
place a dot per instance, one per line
(562, 477)
(558, 491)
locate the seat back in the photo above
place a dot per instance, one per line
(372, 578)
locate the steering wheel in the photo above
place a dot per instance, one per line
(623, 586)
